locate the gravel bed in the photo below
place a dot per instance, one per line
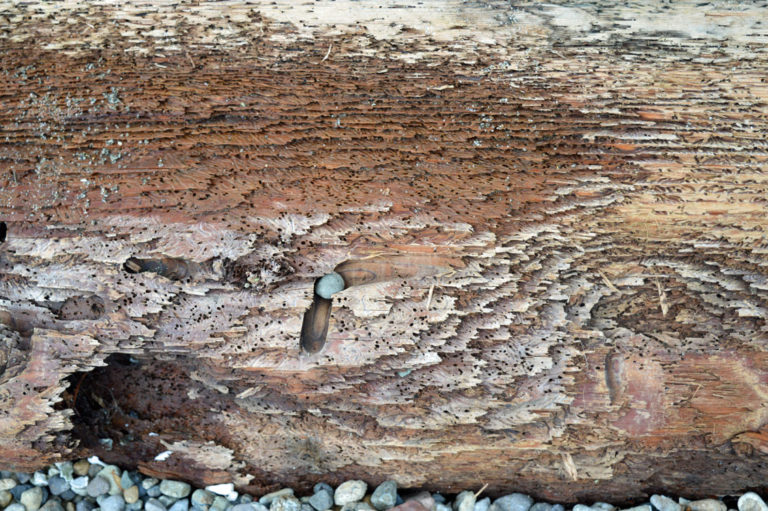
(92, 485)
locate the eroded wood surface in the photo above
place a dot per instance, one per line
(592, 180)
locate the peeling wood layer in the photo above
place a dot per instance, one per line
(591, 192)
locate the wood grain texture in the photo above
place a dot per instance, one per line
(589, 183)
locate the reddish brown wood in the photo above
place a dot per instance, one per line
(589, 183)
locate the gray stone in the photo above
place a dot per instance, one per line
(66, 470)
(707, 505)
(220, 504)
(52, 505)
(7, 483)
(5, 498)
(663, 503)
(94, 470)
(167, 501)
(541, 506)
(180, 505)
(32, 498)
(17, 490)
(642, 507)
(85, 505)
(177, 489)
(15, 507)
(557, 507)
(582, 507)
(39, 479)
(154, 505)
(464, 501)
(512, 502)
(323, 486)
(603, 506)
(384, 496)
(154, 492)
(245, 499)
(68, 495)
(202, 499)
(79, 485)
(113, 503)
(111, 474)
(23, 477)
(329, 284)
(484, 504)
(136, 506)
(751, 501)
(349, 492)
(126, 481)
(287, 503)
(439, 506)
(322, 500)
(97, 487)
(269, 497)
(149, 482)
(57, 485)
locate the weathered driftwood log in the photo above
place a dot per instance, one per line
(577, 193)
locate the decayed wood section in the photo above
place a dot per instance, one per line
(580, 192)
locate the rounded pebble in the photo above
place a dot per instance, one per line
(464, 501)
(154, 505)
(287, 503)
(202, 499)
(52, 505)
(39, 479)
(97, 487)
(321, 500)
(5, 498)
(112, 474)
(180, 505)
(751, 501)
(221, 504)
(32, 498)
(323, 486)
(131, 494)
(85, 505)
(113, 503)
(384, 496)
(7, 483)
(269, 497)
(176, 489)
(349, 492)
(15, 507)
(149, 482)
(81, 467)
(512, 502)
(707, 505)
(57, 485)
(664, 503)
(329, 284)
(484, 504)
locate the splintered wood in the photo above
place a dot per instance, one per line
(573, 199)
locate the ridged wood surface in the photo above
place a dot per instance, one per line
(579, 193)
